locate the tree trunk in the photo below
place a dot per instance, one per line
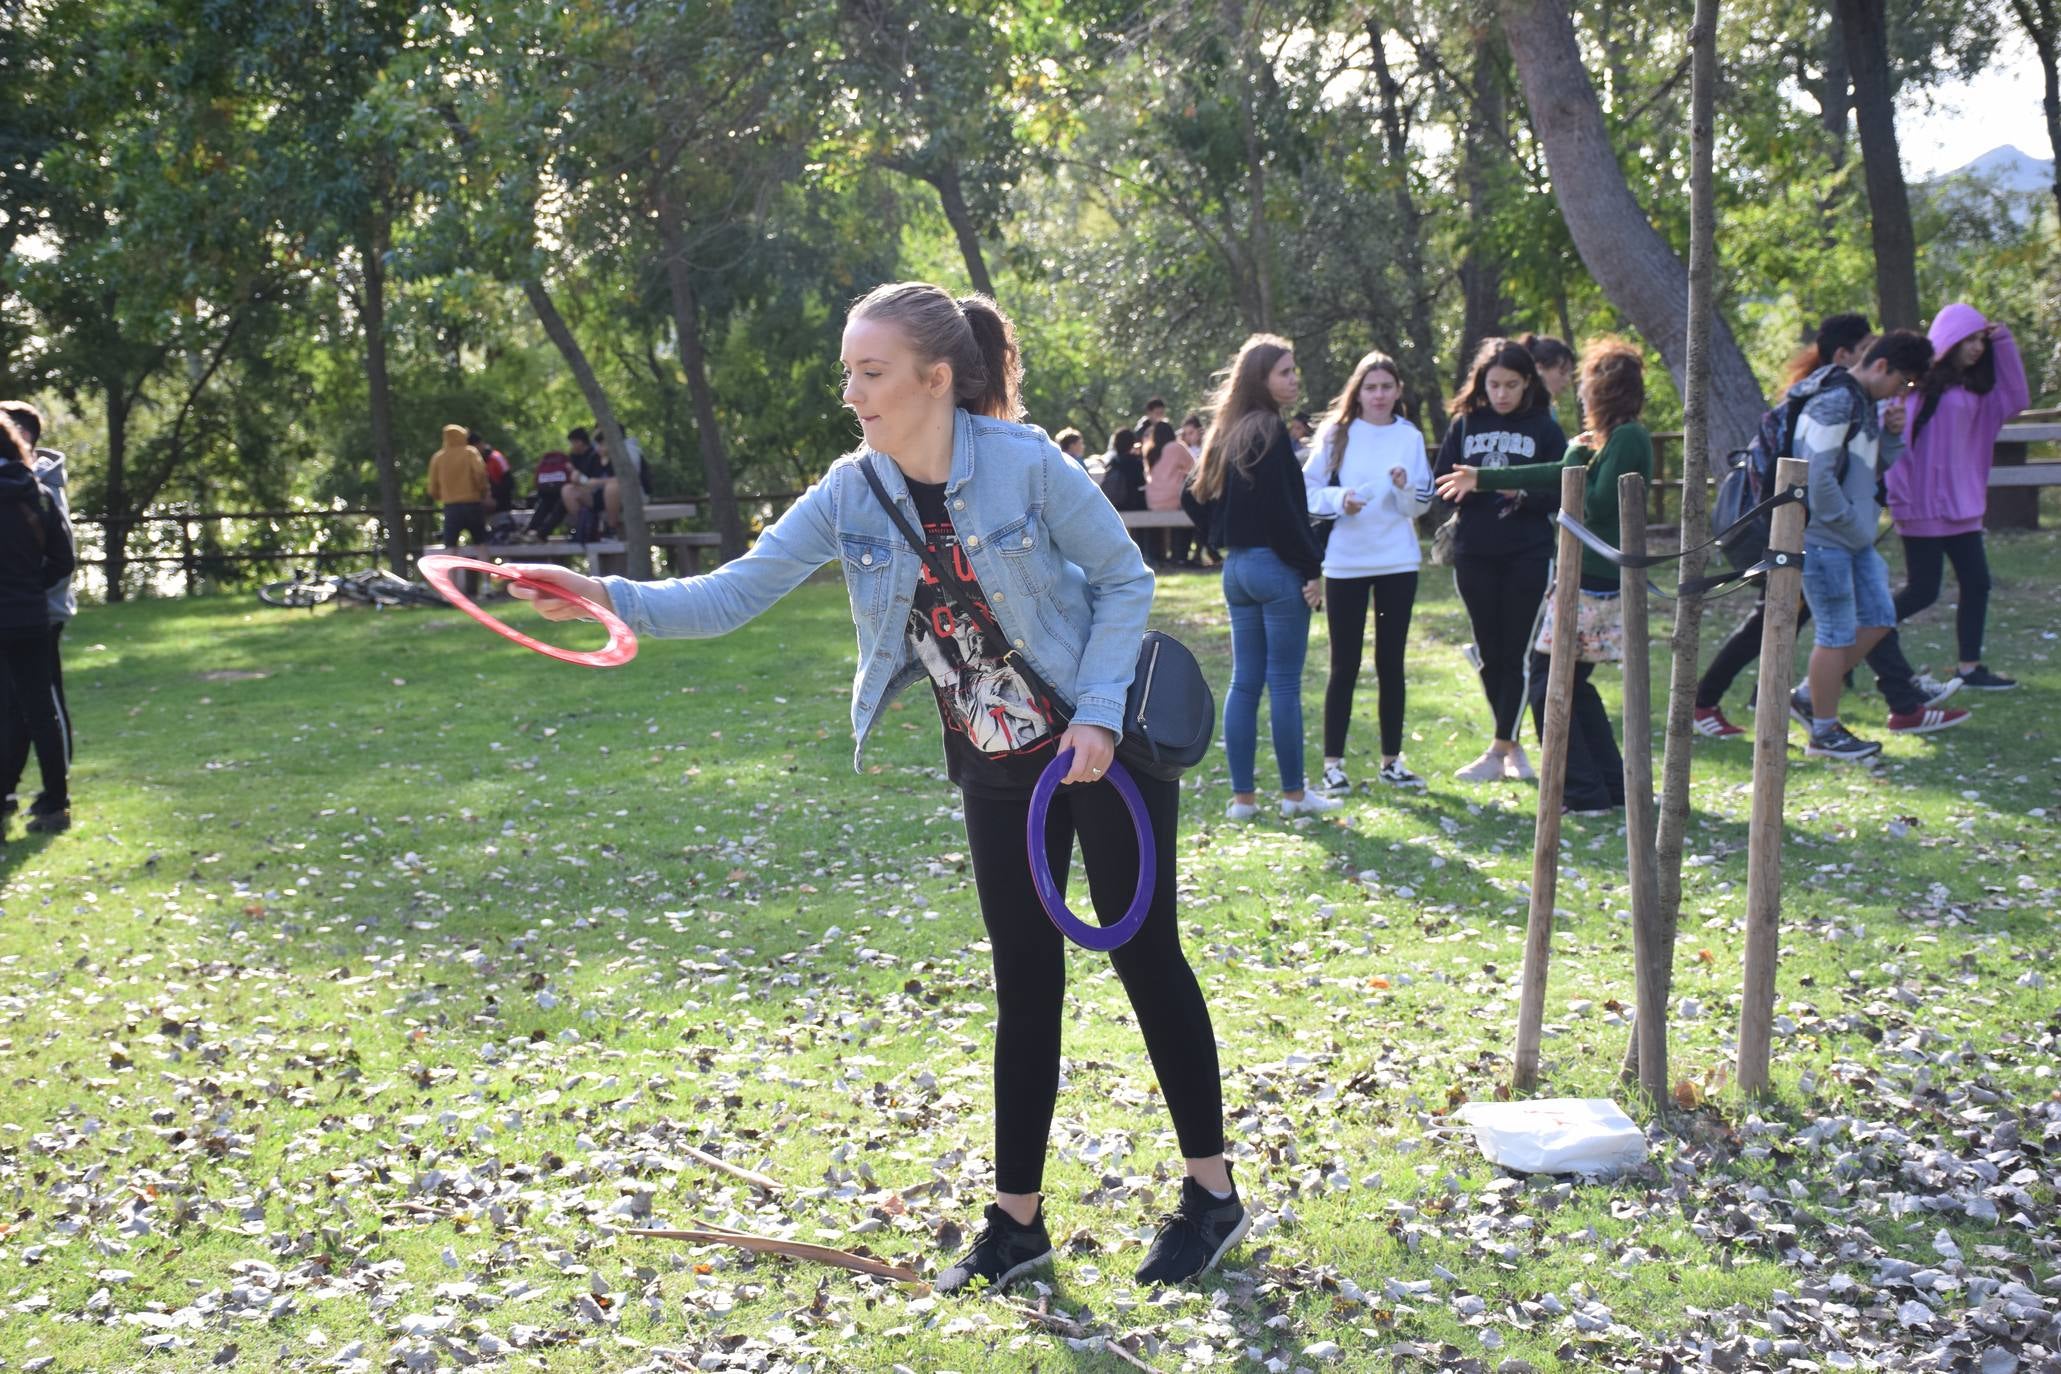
(1889, 203)
(379, 394)
(1835, 92)
(2042, 23)
(952, 197)
(715, 463)
(1673, 822)
(1232, 14)
(115, 536)
(1484, 144)
(1422, 363)
(1636, 268)
(561, 336)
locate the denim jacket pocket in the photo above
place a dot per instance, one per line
(1025, 552)
(867, 563)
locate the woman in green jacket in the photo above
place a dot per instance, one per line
(1613, 393)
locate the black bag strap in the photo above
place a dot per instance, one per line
(950, 592)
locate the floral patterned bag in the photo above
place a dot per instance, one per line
(1598, 630)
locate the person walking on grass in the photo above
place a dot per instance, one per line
(1247, 495)
(1917, 702)
(1367, 472)
(1613, 395)
(1939, 493)
(35, 555)
(1502, 540)
(1052, 576)
(1845, 581)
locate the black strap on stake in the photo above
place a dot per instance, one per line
(1695, 586)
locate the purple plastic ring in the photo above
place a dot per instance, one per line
(1096, 937)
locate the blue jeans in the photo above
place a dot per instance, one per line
(1847, 590)
(1270, 636)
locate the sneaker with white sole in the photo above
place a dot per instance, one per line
(1311, 803)
(1936, 692)
(1710, 722)
(1395, 775)
(1194, 1236)
(1335, 780)
(1487, 768)
(1003, 1252)
(1241, 811)
(1926, 720)
(1838, 742)
(1981, 679)
(1800, 706)
(1516, 767)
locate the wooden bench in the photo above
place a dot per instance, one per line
(2014, 503)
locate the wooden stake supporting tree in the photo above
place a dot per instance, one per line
(1545, 847)
(1651, 950)
(1770, 779)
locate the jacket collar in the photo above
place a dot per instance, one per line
(897, 483)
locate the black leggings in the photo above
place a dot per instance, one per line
(1030, 967)
(28, 695)
(1923, 558)
(15, 739)
(1502, 596)
(1595, 768)
(1394, 596)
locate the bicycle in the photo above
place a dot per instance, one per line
(374, 587)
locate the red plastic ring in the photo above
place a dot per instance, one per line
(622, 642)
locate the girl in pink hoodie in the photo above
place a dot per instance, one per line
(1939, 490)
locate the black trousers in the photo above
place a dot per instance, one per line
(1595, 767)
(1030, 967)
(1393, 597)
(549, 511)
(462, 517)
(1894, 676)
(30, 706)
(1923, 559)
(1502, 596)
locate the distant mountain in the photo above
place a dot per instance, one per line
(2004, 169)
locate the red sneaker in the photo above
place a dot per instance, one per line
(1925, 720)
(1710, 720)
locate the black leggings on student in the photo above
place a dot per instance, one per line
(1346, 599)
(1030, 966)
(1923, 560)
(1595, 767)
(28, 695)
(1502, 596)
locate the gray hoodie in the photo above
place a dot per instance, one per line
(49, 469)
(1842, 509)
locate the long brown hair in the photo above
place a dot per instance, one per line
(1613, 384)
(1512, 357)
(1346, 408)
(971, 333)
(1243, 415)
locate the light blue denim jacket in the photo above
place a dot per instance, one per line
(1060, 572)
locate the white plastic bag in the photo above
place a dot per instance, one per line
(1556, 1135)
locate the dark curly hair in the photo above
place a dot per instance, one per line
(1613, 383)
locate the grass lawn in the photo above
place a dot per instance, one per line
(390, 970)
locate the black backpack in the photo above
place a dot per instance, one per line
(1123, 483)
(1751, 474)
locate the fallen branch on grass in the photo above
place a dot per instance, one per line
(793, 1249)
(723, 1166)
(1067, 1326)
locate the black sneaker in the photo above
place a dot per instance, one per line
(1395, 775)
(1800, 705)
(1003, 1252)
(1194, 1236)
(49, 822)
(1336, 784)
(1981, 679)
(1838, 742)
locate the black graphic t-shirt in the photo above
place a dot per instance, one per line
(998, 737)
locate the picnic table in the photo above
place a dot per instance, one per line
(677, 550)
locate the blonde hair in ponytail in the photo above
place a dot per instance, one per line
(970, 333)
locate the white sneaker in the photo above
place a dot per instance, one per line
(1312, 804)
(1936, 691)
(1516, 767)
(1487, 768)
(1335, 780)
(1241, 811)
